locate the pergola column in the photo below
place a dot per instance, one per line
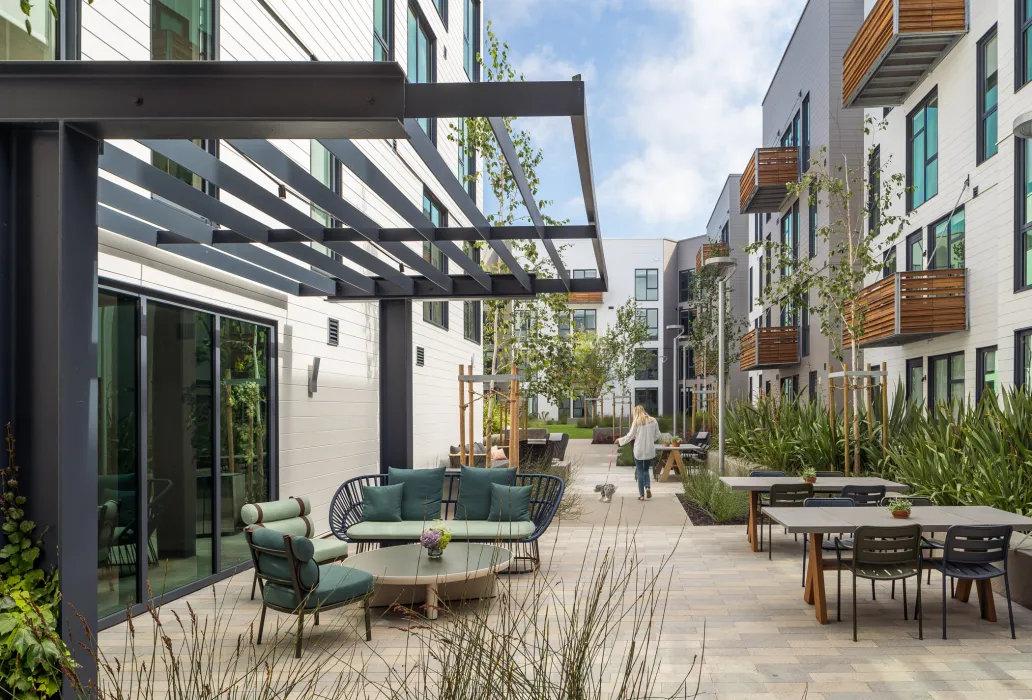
(395, 384)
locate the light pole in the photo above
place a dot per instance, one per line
(673, 367)
(725, 268)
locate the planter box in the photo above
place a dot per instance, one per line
(1019, 561)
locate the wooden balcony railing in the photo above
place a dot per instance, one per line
(899, 42)
(909, 306)
(585, 298)
(707, 251)
(769, 347)
(764, 183)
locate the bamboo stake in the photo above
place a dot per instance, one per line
(845, 415)
(462, 419)
(469, 418)
(885, 411)
(870, 416)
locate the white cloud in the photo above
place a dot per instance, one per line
(690, 109)
(512, 14)
(550, 133)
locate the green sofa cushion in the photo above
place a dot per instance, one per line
(475, 491)
(329, 549)
(410, 530)
(382, 503)
(423, 491)
(337, 584)
(509, 503)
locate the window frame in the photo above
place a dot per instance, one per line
(1022, 37)
(811, 224)
(442, 10)
(646, 312)
(980, 379)
(386, 44)
(1020, 370)
(874, 191)
(932, 96)
(1022, 230)
(648, 391)
(930, 242)
(982, 114)
(804, 326)
(911, 364)
(583, 326)
(431, 67)
(917, 236)
(811, 386)
(951, 381)
(436, 257)
(751, 288)
(648, 372)
(804, 136)
(472, 311)
(684, 293)
(471, 14)
(648, 289)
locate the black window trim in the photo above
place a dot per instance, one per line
(980, 369)
(646, 270)
(910, 364)
(1020, 228)
(980, 114)
(804, 136)
(390, 30)
(1019, 375)
(934, 400)
(1022, 24)
(431, 39)
(478, 14)
(919, 236)
(442, 11)
(933, 94)
(929, 241)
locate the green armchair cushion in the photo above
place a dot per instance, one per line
(509, 503)
(283, 509)
(423, 491)
(337, 584)
(382, 504)
(475, 483)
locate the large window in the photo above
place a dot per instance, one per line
(790, 236)
(574, 409)
(1023, 358)
(874, 191)
(422, 65)
(725, 233)
(435, 312)
(584, 274)
(684, 285)
(584, 320)
(811, 386)
(1023, 203)
(184, 441)
(648, 368)
(752, 290)
(946, 378)
(915, 252)
(383, 30)
(923, 152)
(985, 369)
(651, 317)
(988, 96)
(471, 39)
(472, 316)
(649, 399)
(889, 262)
(946, 243)
(804, 144)
(789, 387)
(811, 227)
(915, 380)
(326, 168)
(442, 9)
(1023, 39)
(16, 44)
(804, 344)
(646, 285)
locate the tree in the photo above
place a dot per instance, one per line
(703, 330)
(517, 333)
(603, 362)
(861, 225)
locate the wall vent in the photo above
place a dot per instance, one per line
(420, 356)
(333, 332)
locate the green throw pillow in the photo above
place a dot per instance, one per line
(423, 491)
(475, 491)
(382, 504)
(509, 503)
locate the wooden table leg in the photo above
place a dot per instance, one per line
(678, 462)
(754, 504)
(963, 590)
(665, 476)
(986, 604)
(814, 593)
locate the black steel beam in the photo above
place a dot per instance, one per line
(583, 148)
(396, 386)
(208, 99)
(411, 235)
(517, 99)
(431, 157)
(505, 286)
(364, 169)
(501, 132)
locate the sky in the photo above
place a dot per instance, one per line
(674, 100)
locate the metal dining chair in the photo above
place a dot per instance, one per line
(783, 496)
(884, 554)
(764, 499)
(864, 496)
(971, 553)
(826, 545)
(929, 543)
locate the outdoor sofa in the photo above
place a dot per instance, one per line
(460, 497)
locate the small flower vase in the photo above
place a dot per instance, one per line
(434, 552)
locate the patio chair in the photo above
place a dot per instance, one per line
(764, 498)
(562, 441)
(884, 554)
(929, 543)
(782, 496)
(830, 475)
(972, 553)
(826, 545)
(864, 496)
(293, 583)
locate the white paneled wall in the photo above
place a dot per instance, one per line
(333, 435)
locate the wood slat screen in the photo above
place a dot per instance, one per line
(777, 346)
(925, 16)
(585, 298)
(747, 183)
(879, 303)
(747, 351)
(778, 166)
(707, 251)
(931, 302)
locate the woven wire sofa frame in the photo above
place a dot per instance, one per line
(546, 494)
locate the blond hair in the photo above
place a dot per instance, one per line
(641, 416)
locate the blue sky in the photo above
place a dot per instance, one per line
(674, 94)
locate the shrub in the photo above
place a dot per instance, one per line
(706, 490)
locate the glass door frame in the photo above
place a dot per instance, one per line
(143, 295)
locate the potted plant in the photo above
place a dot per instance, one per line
(900, 507)
(809, 475)
(435, 539)
(676, 442)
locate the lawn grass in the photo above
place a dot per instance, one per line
(574, 431)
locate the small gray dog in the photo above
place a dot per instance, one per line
(606, 492)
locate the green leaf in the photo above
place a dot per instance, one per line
(8, 621)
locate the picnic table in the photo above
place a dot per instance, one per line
(818, 522)
(670, 458)
(756, 485)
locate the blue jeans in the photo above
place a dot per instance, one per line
(643, 473)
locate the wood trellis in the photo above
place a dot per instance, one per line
(868, 377)
(512, 406)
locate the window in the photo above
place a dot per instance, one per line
(1023, 358)
(874, 191)
(651, 317)
(1023, 203)
(578, 407)
(889, 262)
(768, 319)
(383, 30)
(584, 320)
(1023, 51)
(471, 39)
(757, 228)
(804, 145)
(812, 223)
(790, 387)
(684, 285)
(442, 9)
(915, 380)
(422, 66)
(752, 291)
(790, 235)
(472, 316)
(564, 327)
(946, 378)
(804, 344)
(17, 44)
(327, 169)
(648, 370)
(467, 169)
(750, 389)
(988, 96)
(788, 314)
(946, 243)
(685, 318)
(915, 252)
(811, 386)
(435, 312)
(725, 233)
(649, 399)
(584, 274)
(791, 136)
(985, 370)
(646, 285)
(767, 268)
(923, 153)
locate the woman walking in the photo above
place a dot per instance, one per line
(645, 433)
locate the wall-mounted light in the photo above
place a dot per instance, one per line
(313, 376)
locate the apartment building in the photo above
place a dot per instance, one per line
(955, 296)
(784, 350)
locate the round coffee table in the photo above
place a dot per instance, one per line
(405, 574)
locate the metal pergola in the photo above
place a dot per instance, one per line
(56, 120)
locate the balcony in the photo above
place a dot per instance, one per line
(707, 251)
(899, 42)
(585, 298)
(909, 306)
(764, 184)
(769, 347)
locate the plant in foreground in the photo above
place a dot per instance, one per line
(900, 507)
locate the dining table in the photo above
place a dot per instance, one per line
(756, 485)
(670, 458)
(816, 523)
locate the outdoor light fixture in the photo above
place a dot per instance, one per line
(313, 376)
(1023, 126)
(725, 267)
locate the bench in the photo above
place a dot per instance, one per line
(521, 537)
